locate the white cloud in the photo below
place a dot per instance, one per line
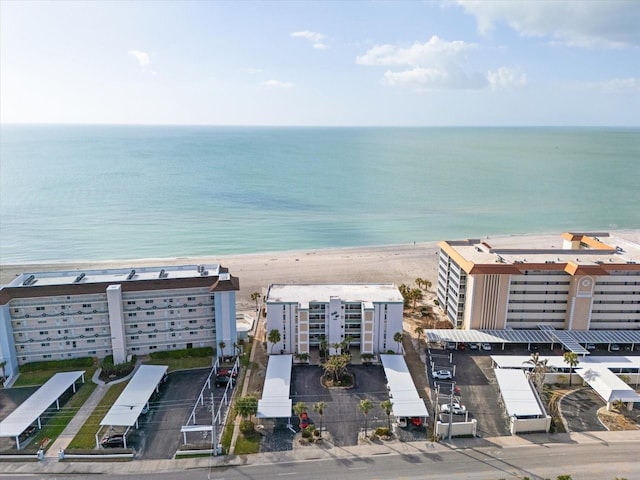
(315, 38)
(580, 23)
(433, 65)
(277, 84)
(142, 57)
(435, 50)
(505, 77)
(252, 71)
(617, 85)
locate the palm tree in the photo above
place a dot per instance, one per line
(347, 343)
(319, 409)
(387, 406)
(426, 284)
(415, 294)
(571, 359)
(274, 337)
(419, 282)
(419, 331)
(539, 370)
(299, 408)
(365, 407)
(247, 406)
(397, 337)
(255, 296)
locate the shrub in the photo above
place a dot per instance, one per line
(247, 427)
(306, 433)
(382, 432)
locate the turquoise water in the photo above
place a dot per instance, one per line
(123, 192)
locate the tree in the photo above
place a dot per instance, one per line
(336, 367)
(255, 296)
(365, 407)
(419, 282)
(387, 406)
(346, 343)
(538, 371)
(414, 295)
(274, 337)
(299, 408)
(221, 344)
(324, 346)
(247, 406)
(427, 284)
(337, 347)
(397, 337)
(419, 331)
(319, 409)
(571, 359)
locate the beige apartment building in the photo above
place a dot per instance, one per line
(573, 281)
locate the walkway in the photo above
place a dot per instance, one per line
(80, 418)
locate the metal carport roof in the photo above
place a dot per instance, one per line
(519, 398)
(404, 396)
(128, 407)
(608, 385)
(30, 410)
(275, 402)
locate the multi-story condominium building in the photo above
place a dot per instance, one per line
(576, 281)
(69, 314)
(367, 315)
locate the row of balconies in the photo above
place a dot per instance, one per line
(78, 323)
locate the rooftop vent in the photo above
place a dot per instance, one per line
(161, 275)
(131, 274)
(29, 280)
(79, 278)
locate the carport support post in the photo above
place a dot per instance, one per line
(453, 385)
(214, 433)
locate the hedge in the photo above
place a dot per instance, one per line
(58, 364)
(187, 352)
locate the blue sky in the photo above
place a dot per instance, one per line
(321, 63)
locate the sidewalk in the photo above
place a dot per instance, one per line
(313, 452)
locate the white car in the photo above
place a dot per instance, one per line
(615, 347)
(486, 346)
(456, 408)
(474, 346)
(442, 375)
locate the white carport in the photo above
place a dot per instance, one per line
(609, 386)
(33, 407)
(521, 401)
(275, 402)
(128, 407)
(402, 390)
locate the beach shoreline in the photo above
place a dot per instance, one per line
(256, 271)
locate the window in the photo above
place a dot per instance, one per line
(193, 333)
(62, 307)
(153, 347)
(193, 321)
(134, 325)
(39, 309)
(131, 302)
(44, 332)
(46, 344)
(89, 329)
(192, 310)
(191, 299)
(16, 310)
(151, 324)
(134, 337)
(132, 314)
(91, 341)
(151, 313)
(152, 336)
(46, 356)
(86, 305)
(148, 301)
(42, 321)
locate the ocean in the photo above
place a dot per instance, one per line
(85, 193)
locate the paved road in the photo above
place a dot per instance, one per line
(580, 410)
(597, 461)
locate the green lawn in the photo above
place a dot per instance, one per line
(62, 417)
(181, 363)
(86, 437)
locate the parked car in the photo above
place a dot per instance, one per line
(486, 347)
(533, 347)
(615, 347)
(113, 441)
(402, 422)
(456, 408)
(590, 346)
(304, 420)
(222, 380)
(416, 421)
(451, 345)
(474, 346)
(442, 375)
(462, 346)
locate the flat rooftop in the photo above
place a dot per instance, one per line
(318, 293)
(118, 275)
(596, 249)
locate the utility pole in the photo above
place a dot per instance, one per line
(453, 385)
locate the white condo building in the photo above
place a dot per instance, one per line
(71, 314)
(573, 281)
(305, 314)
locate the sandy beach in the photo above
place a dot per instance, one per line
(379, 264)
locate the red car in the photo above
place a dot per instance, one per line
(304, 420)
(416, 421)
